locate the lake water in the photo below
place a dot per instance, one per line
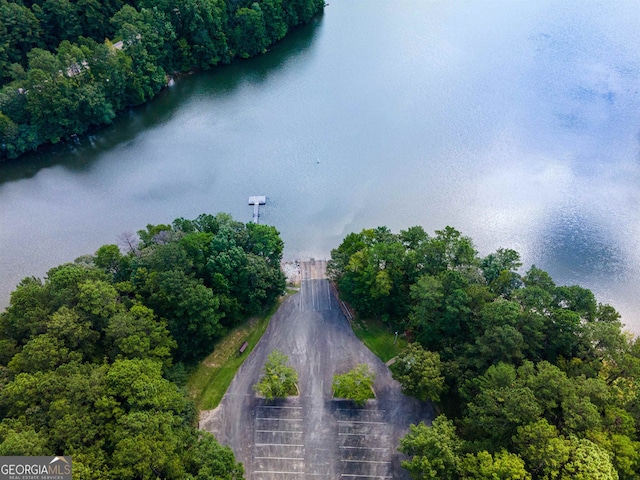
(518, 123)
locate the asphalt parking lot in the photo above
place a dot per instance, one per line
(313, 436)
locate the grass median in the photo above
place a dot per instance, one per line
(378, 338)
(209, 382)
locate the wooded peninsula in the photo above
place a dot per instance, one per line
(66, 66)
(93, 360)
(531, 380)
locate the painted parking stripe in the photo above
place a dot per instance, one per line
(360, 421)
(280, 431)
(316, 298)
(279, 458)
(280, 473)
(283, 419)
(363, 476)
(367, 461)
(364, 448)
(329, 295)
(278, 445)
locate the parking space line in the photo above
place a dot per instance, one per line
(279, 431)
(366, 461)
(359, 421)
(279, 458)
(280, 473)
(284, 419)
(364, 448)
(278, 445)
(363, 476)
(328, 296)
(314, 295)
(366, 434)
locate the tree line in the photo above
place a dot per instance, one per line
(92, 358)
(532, 380)
(60, 74)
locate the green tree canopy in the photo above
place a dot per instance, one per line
(532, 374)
(86, 353)
(434, 450)
(278, 380)
(355, 384)
(420, 373)
(61, 74)
(500, 466)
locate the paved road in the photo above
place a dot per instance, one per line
(313, 436)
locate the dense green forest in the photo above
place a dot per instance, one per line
(67, 65)
(532, 380)
(93, 356)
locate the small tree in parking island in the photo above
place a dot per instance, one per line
(355, 384)
(278, 380)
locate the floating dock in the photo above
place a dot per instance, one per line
(256, 201)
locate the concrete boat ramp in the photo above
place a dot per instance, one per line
(314, 436)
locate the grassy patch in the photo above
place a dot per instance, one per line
(209, 382)
(378, 338)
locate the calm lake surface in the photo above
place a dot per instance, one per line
(518, 123)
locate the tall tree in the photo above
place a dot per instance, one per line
(249, 35)
(420, 373)
(434, 451)
(500, 466)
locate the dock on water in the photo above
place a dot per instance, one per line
(256, 201)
